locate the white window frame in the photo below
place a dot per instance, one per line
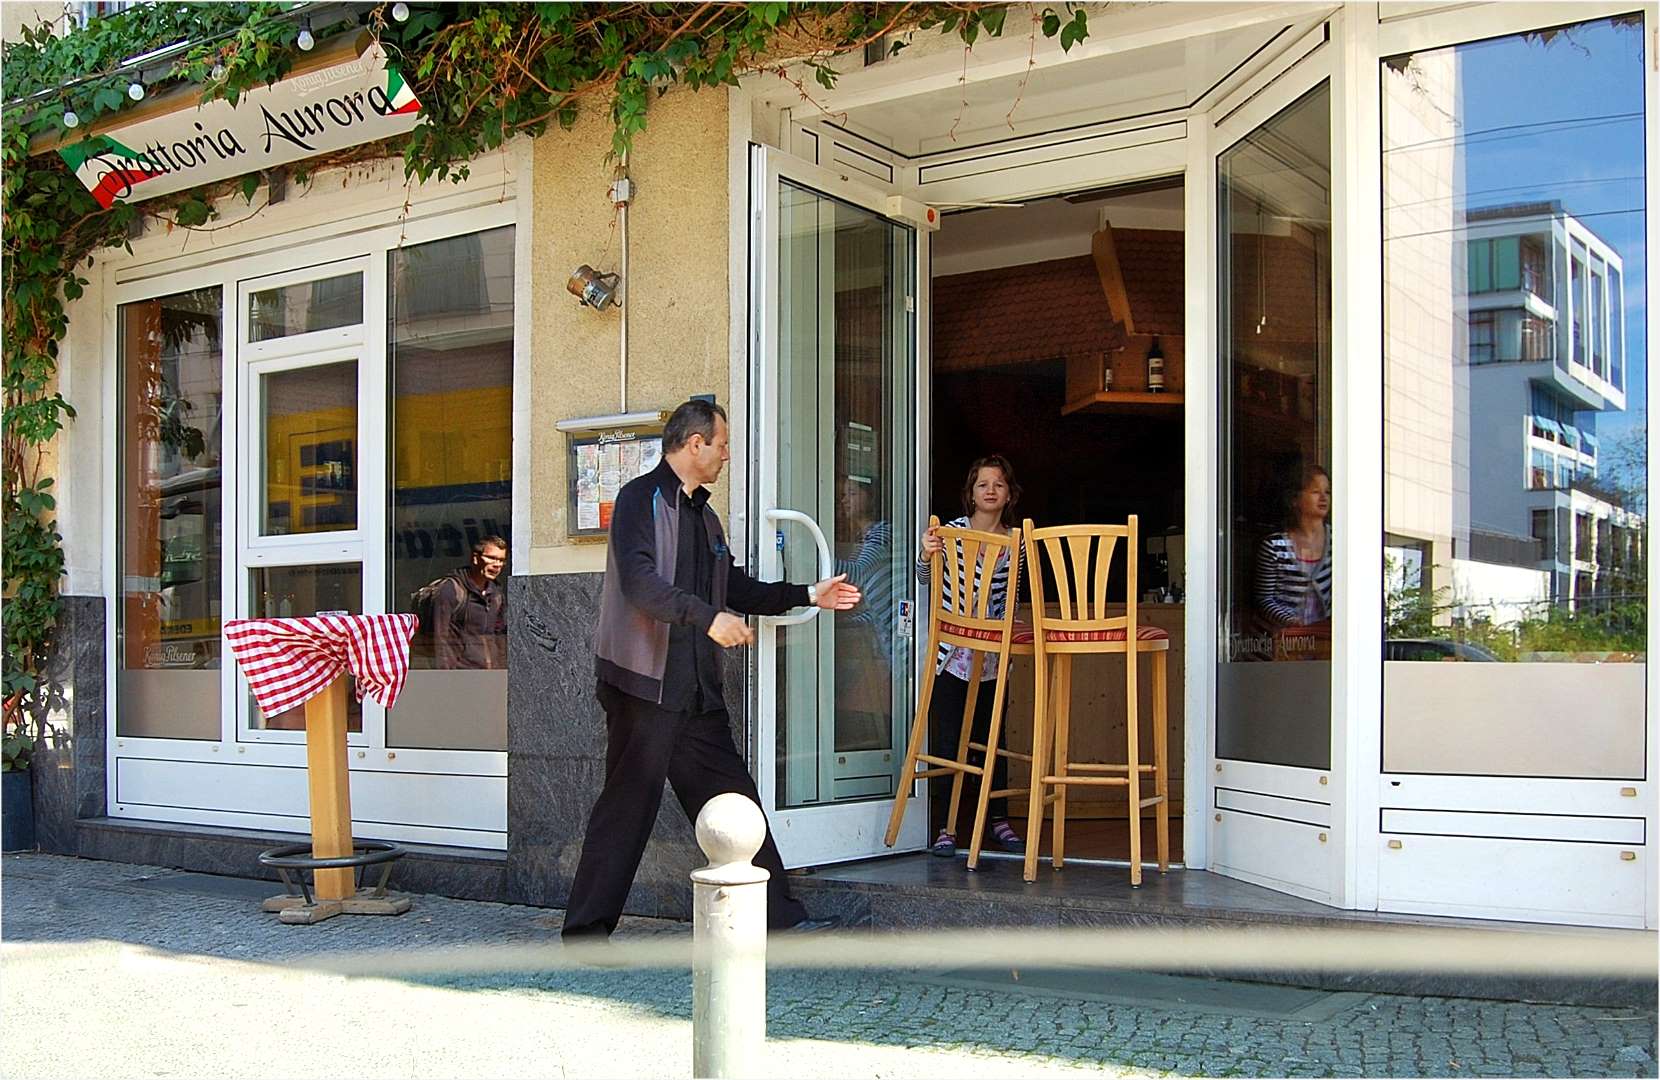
(307, 254)
(1375, 40)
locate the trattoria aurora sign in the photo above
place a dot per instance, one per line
(306, 114)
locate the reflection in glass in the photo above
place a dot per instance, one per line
(310, 436)
(305, 307)
(846, 355)
(171, 533)
(1274, 681)
(450, 356)
(282, 592)
(1515, 508)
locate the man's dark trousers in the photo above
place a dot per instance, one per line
(646, 745)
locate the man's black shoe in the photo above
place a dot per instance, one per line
(594, 950)
(812, 926)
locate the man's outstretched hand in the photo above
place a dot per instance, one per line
(835, 594)
(729, 630)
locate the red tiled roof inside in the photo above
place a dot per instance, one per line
(1154, 278)
(1018, 314)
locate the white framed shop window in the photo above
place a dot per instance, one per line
(1444, 799)
(300, 320)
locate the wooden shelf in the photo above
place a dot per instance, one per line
(1122, 401)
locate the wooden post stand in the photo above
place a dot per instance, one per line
(328, 776)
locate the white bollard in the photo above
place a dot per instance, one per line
(729, 941)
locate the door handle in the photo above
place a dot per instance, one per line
(826, 565)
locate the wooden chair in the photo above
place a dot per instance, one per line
(964, 619)
(1080, 559)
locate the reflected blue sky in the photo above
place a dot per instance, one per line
(1563, 119)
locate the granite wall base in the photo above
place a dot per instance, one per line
(68, 765)
(556, 753)
(463, 873)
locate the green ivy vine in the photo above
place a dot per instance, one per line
(485, 73)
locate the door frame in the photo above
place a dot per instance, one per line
(825, 832)
(1174, 143)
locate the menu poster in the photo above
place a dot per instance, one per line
(600, 464)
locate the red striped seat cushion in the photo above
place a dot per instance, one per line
(1023, 634)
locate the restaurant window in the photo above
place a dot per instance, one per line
(450, 411)
(170, 531)
(1533, 135)
(1276, 572)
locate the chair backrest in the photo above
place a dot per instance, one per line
(961, 584)
(1080, 559)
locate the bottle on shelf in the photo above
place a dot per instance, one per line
(1155, 368)
(1106, 372)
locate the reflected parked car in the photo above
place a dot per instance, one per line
(1435, 649)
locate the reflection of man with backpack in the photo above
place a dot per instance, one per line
(464, 613)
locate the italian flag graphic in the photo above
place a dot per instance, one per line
(399, 94)
(109, 169)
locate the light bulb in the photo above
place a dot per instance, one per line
(136, 91)
(305, 41)
(70, 119)
(218, 72)
(400, 12)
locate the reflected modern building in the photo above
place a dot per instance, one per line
(1547, 361)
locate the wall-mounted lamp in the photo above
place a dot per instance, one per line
(400, 12)
(593, 288)
(70, 119)
(136, 90)
(306, 40)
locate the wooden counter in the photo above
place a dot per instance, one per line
(1098, 712)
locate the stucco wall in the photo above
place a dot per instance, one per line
(677, 289)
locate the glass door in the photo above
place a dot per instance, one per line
(1272, 787)
(834, 323)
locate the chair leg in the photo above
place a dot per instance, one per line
(1062, 750)
(1132, 739)
(1041, 704)
(969, 702)
(919, 735)
(993, 733)
(1161, 755)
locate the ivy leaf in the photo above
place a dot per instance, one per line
(1051, 23)
(250, 184)
(193, 212)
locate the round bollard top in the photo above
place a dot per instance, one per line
(730, 830)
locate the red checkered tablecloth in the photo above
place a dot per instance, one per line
(290, 661)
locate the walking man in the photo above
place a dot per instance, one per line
(664, 619)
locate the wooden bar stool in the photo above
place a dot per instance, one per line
(1080, 559)
(959, 614)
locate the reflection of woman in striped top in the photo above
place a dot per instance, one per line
(989, 496)
(1294, 566)
(871, 566)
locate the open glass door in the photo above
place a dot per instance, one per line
(1272, 783)
(834, 311)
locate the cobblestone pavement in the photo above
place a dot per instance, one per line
(129, 970)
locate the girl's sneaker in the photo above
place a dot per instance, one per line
(1007, 838)
(945, 846)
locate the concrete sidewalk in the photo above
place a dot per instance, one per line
(121, 970)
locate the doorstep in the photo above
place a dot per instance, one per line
(463, 873)
(921, 891)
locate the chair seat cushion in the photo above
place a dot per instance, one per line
(1142, 633)
(1022, 632)
(1024, 635)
